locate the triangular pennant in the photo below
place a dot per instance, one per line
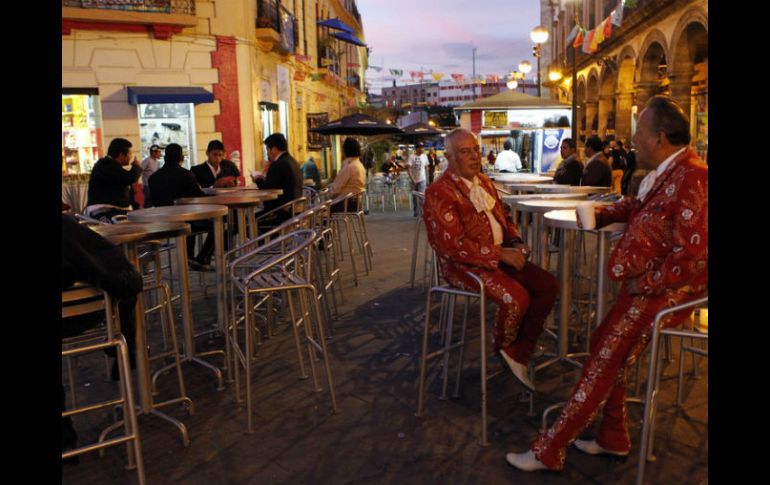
(616, 17)
(598, 35)
(607, 28)
(396, 72)
(458, 77)
(587, 42)
(630, 3)
(579, 39)
(378, 69)
(573, 33)
(437, 76)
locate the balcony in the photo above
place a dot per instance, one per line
(276, 28)
(161, 17)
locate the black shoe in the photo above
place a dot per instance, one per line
(197, 266)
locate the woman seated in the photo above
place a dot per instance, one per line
(352, 177)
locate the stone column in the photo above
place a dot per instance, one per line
(681, 89)
(605, 107)
(624, 102)
(644, 91)
(592, 107)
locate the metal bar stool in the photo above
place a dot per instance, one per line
(83, 300)
(427, 253)
(287, 270)
(653, 379)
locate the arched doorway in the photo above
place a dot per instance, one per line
(607, 87)
(581, 110)
(592, 103)
(652, 69)
(689, 75)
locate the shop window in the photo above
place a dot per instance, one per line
(81, 128)
(162, 124)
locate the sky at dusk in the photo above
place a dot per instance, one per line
(439, 36)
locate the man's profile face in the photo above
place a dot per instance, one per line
(465, 156)
(124, 158)
(215, 156)
(645, 141)
(566, 150)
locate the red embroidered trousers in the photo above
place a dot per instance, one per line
(616, 344)
(524, 299)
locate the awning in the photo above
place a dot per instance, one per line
(168, 94)
(337, 24)
(344, 36)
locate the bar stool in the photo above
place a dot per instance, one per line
(288, 268)
(355, 227)
(83, 300)
(449, 295)
(653, 378)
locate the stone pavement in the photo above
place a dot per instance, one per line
(376, 438)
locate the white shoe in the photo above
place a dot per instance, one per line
(525, 461)
(519, 370)
(592, 448)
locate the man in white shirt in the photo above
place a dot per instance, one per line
(416, 165)
(508, 160)
(352, 176)
(149, 166)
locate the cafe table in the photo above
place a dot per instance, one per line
(190, 213)
(570, 189)
(512, 199)
(567, 220)
(128, 235)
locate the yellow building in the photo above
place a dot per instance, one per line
(187, 72)
(661, 47)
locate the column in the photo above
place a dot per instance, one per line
(681, 89)
(592, 107)
(605, 107)
(644, 91)
(624, 102)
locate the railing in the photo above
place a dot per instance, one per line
(184, 7)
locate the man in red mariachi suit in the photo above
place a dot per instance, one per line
(661, 260)
(469, 230)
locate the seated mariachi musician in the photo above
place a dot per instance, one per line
(661, 260)
(469, 230)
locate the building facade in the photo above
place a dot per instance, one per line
(189, 71)
(661, 47)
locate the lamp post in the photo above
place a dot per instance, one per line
(539, 36)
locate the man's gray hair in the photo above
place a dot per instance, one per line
(454, 134)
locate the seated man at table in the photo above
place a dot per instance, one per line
(352, 177)
(469, 230)
(216, 171)
(109, 185)
(597, 172)
(661, 260)
(89, 258)
(173, 181)
(570, 170)
(281, 172)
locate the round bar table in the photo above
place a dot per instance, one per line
(512, 199)
(241, 203)
(538, 207)
(189, 213)
(520, 178)
(230, 190)
(128, 235)
(571, 189)
(567, 220)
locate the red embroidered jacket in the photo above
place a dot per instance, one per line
(461, 236)
(665, 244)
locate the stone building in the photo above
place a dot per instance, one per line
(661, 47)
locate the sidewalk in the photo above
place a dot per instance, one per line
(376, 438)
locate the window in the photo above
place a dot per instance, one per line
(81, 130)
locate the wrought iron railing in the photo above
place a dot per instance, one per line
(185, 7)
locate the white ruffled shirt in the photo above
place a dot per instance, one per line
(482, 201)
(649, 181)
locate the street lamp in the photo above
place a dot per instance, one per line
(539, 36)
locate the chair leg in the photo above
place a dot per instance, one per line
(295, 331)
(447, 345)
(424, 359)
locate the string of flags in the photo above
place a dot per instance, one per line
(588, 40)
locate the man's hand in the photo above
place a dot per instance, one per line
(228, 181)
(513, 257)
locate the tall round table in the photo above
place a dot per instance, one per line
(190, 213)
(129, 235)
(571, 189)
(567, 220)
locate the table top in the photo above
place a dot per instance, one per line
(129, 232)
(540, 205)
(231, 199)
(308, 182)
(566, 219)
(525, 186)
(520, 177)
(515, 198)
(177, 213)
(580, 189)
(251, 188)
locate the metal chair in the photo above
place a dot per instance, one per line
(83, 300)
(403, 187)
(378, 189)
(653, 378)
(427, 253)
(355, 227)
(288, 268)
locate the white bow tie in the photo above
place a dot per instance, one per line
(480, 198)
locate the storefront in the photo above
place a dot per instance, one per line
(534, 126)
(81, 130)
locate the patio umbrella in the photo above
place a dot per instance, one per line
(357, 124)
(336, 24)
(423, 129)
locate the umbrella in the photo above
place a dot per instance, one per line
(357, 124)
(422, 129)
(349, 38)
(336, 24)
